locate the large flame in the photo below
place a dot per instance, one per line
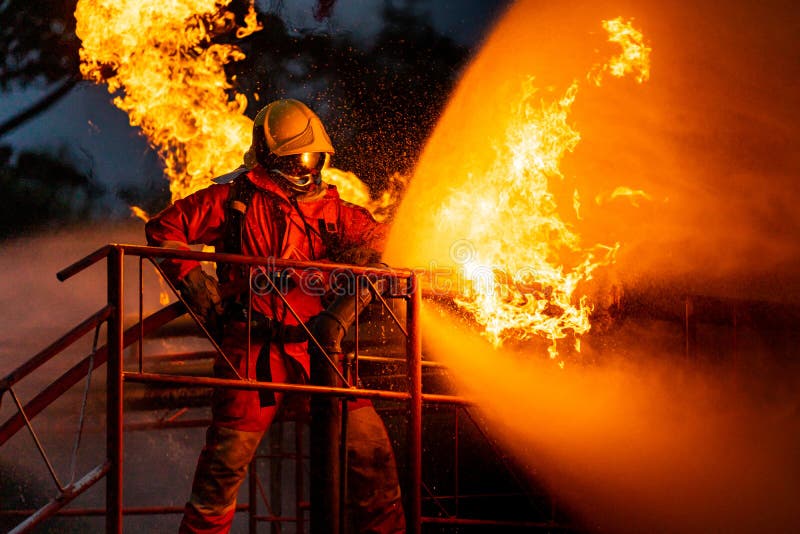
(158, 59)
(523, 260)
(514, 238)
(520, 260)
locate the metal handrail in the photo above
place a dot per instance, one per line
(142, 250)
(74, 374)
(118, 339)
(84, 263)
(253, 385)
(54, 348)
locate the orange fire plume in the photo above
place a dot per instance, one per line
(159, 62)
(521, 262)
(156, 57)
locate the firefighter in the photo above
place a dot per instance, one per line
(275, 205)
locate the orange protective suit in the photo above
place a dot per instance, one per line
(312, 228)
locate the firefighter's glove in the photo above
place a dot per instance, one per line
(201, 292)
(358, 256)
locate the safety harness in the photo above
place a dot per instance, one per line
(241, 193)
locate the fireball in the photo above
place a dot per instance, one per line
(520, 261)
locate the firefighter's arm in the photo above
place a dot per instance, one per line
(198, 218)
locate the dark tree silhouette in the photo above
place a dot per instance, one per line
(37, 45)
(37, 41)
(42, 189)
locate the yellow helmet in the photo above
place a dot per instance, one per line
(291, 143)
(284, 128)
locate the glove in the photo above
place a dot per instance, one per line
(357, 256)
(201, 292)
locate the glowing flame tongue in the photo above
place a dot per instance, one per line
(515, 237)
(522, 262)
(635, 56)
(156, 58)
(352, 189)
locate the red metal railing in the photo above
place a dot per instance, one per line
(118, 338)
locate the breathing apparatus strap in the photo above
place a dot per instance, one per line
(241, 193)
(307, 227)
(239, 196)
(329, 231)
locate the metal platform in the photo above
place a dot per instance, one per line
(454, 479)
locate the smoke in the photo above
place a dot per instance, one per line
(35, 308)
(637, 444)
(712, 138)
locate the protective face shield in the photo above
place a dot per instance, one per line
(291, 143)
(299, 171)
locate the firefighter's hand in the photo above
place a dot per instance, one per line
(358, 256)
(201, 292)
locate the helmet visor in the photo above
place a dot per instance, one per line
(300, 167)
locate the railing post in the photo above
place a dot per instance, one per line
(299, 475)
(325, 434)
(114, 392)
(414, 355)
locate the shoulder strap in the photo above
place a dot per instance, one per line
(241, 193)
(239, 196)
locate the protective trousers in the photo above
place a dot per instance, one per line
(374, 503)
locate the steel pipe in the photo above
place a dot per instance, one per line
(64, 498)
(203, 381)
(84, 263)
